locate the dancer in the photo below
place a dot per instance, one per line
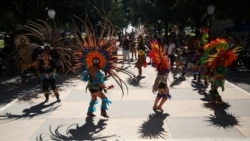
(96, 86)
(94, 57)
(51, 36)
(141, 62)
(141, 59)
(218, 55)
(30, 52)
(163, 66)
(47, 70)
(44, 54)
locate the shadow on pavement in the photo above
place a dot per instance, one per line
(11, 88)
(200, 88)
(221, 118)
(135, 81)
(87, 131)
(152, 128)
(31, 112)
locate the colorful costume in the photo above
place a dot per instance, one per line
(163, 66)
(47, 70)
(218, 56)
(94, 57)
(51, 36)
(141, 61)
(48, 41)
(23, 56)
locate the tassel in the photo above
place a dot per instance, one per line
(105, 103)
(92, 107)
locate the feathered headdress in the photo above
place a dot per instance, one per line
(140, 31)
(98, 51)
(23, 50)
(212, 47)
(21, 40)
(220, 54)
(159, 59)
(42, 31)
(215, 44)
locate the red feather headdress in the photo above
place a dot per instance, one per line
(224, 55)
(159, 59)
(217, 43)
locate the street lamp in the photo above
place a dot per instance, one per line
(210, 9)
(159, 21)
(159, 27)
(210, 12)
(51, 13)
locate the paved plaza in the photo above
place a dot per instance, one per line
(187, 115)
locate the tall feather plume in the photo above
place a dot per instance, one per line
(224, 56)
(140, 30)
(101, 47)
(42, 31)
(23, 51)
(159, 59)
(217, 52)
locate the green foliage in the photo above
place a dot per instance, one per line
(8, 22)
(121, 12)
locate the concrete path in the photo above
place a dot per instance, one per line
(187, 115)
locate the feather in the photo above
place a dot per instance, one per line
(90, 49)
(222, 54)
(42, 31)
(159, 59)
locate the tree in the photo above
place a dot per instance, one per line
(122, 12)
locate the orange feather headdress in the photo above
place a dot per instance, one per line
(217, 43)
(92, 50)
(222, 54)
(160, 60)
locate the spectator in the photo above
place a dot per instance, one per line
(126, 49)
(171, 51)
(133, 49)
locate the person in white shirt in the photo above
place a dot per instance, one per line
(171, 51)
